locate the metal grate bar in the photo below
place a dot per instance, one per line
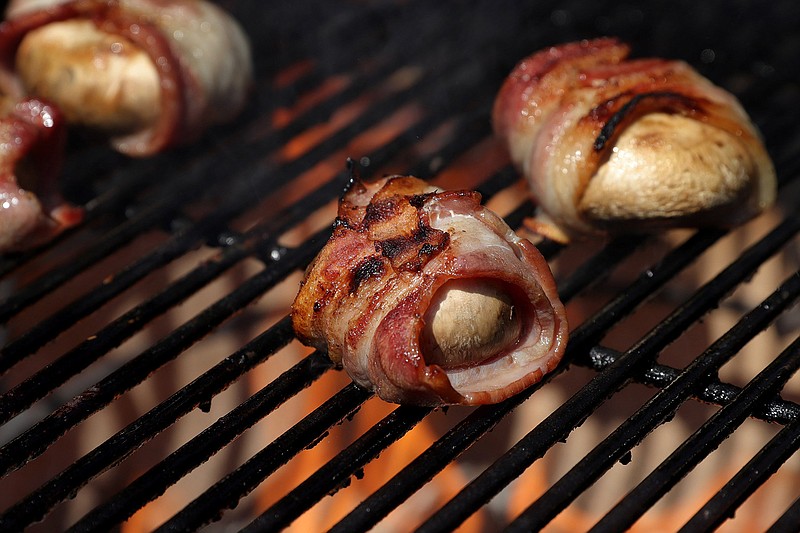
(171, 198)
(787, 523)
(715, 392)
(336, 472)
(195, 452)
(561, 422)
(34, 441)
(49, 328)
(755, 473)
(202, 389)
(84, 354)
(656, 411)
(226, 493)
(702, 442)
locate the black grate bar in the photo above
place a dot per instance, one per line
(656, 411)
(715, 392)
(456, 441)
(181, 189)
(49, 328)
(788, 521)
(33, 442)
(87, 352)
(704, 441)
(336, 472)
(226, 493)
(124, 442)
(173, 197)
(432, 461)
(350, 461)
(199, 449)
(560, 423)
(84, 354)
(755, 473)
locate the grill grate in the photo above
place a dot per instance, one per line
(101, 314)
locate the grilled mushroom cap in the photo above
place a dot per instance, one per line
(98, 79)
(469, 321)
(670, 167)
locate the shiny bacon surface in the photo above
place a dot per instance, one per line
(32, 210)
(200, 57)
(563, 109)
(395, 243)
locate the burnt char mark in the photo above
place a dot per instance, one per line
(412, 252)
(324, 299)
(665, 101)
(418, 200)
(380, 211)
(424, 233)
(371, 267)
(391, 248)
(427, 249)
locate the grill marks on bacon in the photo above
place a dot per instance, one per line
(611, 145)
(396, 244)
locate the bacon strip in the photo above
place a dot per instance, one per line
(366, 297)
(562, 110)
(31, 150)
(200, 53)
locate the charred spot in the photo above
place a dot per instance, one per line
(412, 252)
(608, 113)
(425, 233)
(418, 200)
(324, 299)
(429, 238)
(391, 248)
(427, 249)
(380, 211)
(371, 267)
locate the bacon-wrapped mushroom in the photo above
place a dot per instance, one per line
(610, 144)
(32, 211)
(428, 297)
(149, 73)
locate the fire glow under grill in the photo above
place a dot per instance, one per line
(150, 378)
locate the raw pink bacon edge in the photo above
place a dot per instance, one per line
(32, 132)
(364, 301)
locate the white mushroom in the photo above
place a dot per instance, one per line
(468, 322)
(98, 79)
(667, 166)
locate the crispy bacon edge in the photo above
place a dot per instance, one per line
(379, 259)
